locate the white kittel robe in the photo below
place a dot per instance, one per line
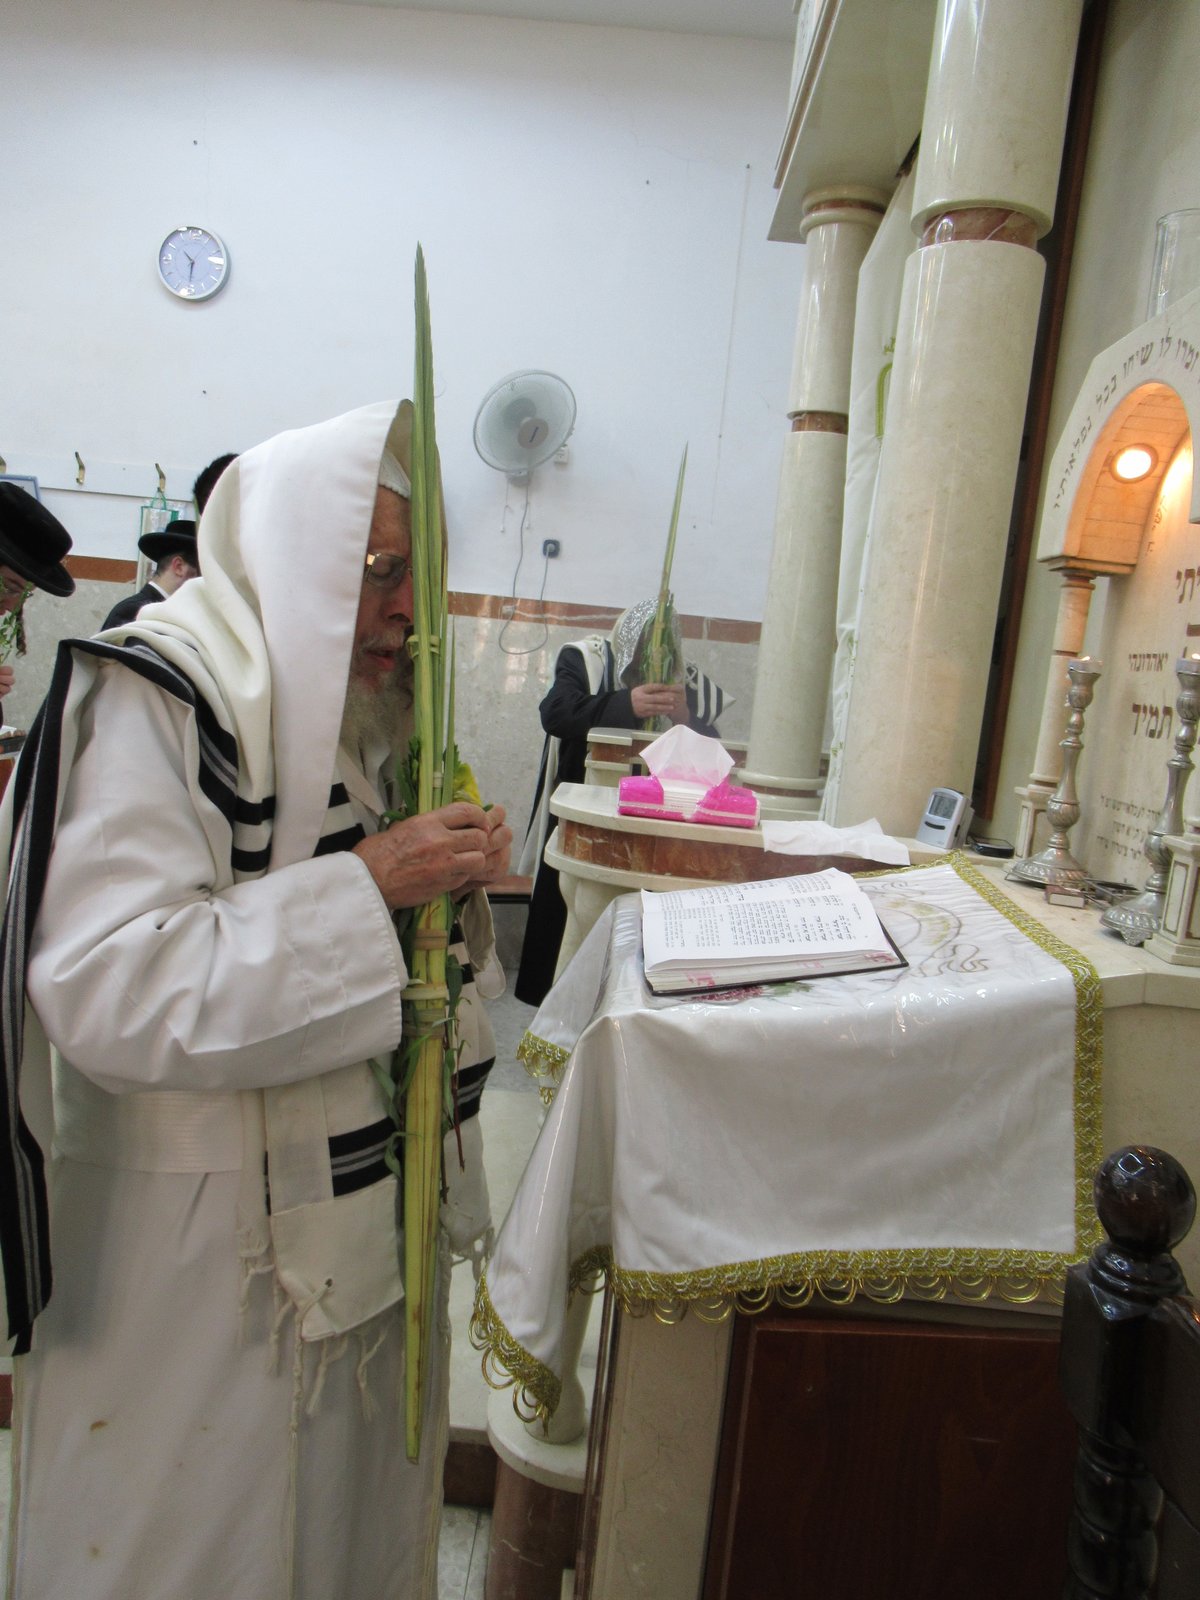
(175, 1437)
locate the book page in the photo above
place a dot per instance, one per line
(821, 913)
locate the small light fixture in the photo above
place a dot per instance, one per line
(1135, 462)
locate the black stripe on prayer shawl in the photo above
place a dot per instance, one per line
(705, 698)
(328, 843)
(24, 1213)
(250, 863)
(468, 1087)
(340, 830)
(356, 1159)
(24, 1208)
(249, 857)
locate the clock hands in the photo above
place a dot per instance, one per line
(207, 263)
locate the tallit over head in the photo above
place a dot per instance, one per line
(626, 641)
(268, 629)
(259, 647)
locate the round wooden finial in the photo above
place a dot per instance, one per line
(1145, 1200)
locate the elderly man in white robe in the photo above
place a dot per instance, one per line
(210, 1399)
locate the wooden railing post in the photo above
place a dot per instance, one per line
(1146, 1205)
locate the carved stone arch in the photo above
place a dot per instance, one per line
(1107, 518)
(1145, 389)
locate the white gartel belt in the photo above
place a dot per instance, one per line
(189, 1130)
(335, 1256)
(157, 1130)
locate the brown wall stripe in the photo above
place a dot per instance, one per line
(557, 613)
(596, 619)
(102, 568)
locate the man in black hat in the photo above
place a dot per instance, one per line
(176, 560)
(32, 546)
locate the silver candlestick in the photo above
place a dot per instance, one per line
(1137, 917)
(1055, 866)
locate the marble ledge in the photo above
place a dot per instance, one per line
(593, 841)
(1129, 975)
(554, 1466)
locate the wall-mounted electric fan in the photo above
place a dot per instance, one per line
(523, 420)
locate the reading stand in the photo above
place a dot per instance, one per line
(599, 855)
(699, 1151)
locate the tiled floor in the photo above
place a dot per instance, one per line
(462, 1553)
(511, 1115)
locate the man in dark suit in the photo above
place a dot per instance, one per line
(33, 544)
(176, 560)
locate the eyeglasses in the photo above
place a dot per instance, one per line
(384, 570)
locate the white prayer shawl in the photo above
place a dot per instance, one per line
(602, 653)
(191, 1420)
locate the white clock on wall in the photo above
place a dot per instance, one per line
(193, 263)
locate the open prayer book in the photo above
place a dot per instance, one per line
(730, 934)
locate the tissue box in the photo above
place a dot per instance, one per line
(676, 800)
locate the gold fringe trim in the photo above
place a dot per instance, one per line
(840, 1277)
(508, 1365)
(543, 1061)
(1089, 1046)
(749, 1288)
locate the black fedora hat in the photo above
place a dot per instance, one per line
(178, 538)
(33, 542)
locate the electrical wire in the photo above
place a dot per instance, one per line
(511, 604)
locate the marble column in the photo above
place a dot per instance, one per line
(796, 648)
(991, 146)
(1074, 603)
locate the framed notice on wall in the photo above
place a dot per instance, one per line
(156, 514)
(22, 481)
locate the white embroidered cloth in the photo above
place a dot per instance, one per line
(925, 1130)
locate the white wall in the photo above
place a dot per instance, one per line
(591, 200)
(1143, 160)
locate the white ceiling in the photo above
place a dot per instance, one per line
(746, 19)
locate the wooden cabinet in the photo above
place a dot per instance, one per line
(866, 1459)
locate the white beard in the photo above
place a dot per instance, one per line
(381, 716)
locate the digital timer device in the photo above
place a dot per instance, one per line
(946, 820)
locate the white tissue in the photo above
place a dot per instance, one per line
(866, 839)
(682, 753)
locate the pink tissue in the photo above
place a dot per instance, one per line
(643, 797)
(728, 806)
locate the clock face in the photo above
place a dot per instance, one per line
(193, 263)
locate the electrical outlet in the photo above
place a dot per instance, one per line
(550, 548)
(562, 455)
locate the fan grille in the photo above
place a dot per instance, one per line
(523, 420)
